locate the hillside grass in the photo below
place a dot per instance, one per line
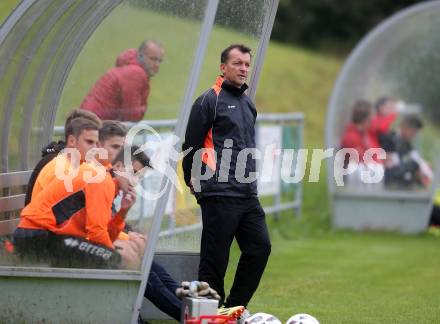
(6, 7)
(179, 38)
(337, 276)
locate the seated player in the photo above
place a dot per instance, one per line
(357, 134)
(404, 167)
(161, 287)
(49, 152)
(75, 228)
(81, 133)
(386, 114)
(111, 137)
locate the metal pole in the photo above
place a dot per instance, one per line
(205, 32)
(142, 204)
(280, 185)
(261, 51)
(299, 191)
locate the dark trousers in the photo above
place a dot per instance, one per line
(435, 216)
(223, 219)
(161, 291)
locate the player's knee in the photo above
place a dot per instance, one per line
(261, 250)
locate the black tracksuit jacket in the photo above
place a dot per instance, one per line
(223, 112)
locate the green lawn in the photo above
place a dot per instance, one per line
(339, 277)
(345, 277)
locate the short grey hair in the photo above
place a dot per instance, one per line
(144, 45)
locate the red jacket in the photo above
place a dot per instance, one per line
(122, 92)
(381, 124)
(361, 142)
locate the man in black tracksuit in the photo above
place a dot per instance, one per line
(221, 133)
(403, 164)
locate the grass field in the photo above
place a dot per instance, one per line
(337, 276)
(352, 278)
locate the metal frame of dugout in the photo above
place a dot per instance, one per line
(55, 295)
(363, 77)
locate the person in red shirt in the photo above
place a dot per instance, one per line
(358, 133)
(386, 114)
(122, 92)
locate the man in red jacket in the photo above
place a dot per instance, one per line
(358, 134)
(386, 114)
(122, 92)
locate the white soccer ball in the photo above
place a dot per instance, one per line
(262, 318)
(302, 319)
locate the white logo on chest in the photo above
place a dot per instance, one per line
(230, 107)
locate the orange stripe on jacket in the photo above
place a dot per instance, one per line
(208, 156)
(218, 84)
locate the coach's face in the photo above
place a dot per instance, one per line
(236, 67)
(153, 56)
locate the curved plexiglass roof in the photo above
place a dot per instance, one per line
(52, 52)
(42, 40)
(398, 59)
(39, 43)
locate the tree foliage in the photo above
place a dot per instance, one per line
(313, 22)
(230, 13)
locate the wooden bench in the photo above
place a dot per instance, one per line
(12, 194)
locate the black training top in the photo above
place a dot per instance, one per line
(222, 121)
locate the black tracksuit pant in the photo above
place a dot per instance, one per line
(223, 219)
(435, 216)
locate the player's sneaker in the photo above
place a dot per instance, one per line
(245, 315)
(232, 312)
